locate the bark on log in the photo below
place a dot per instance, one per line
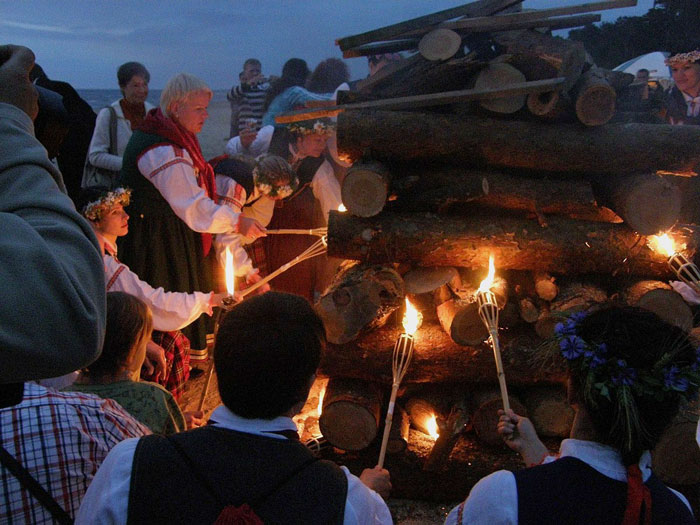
(647, 202)
(398, 434)
(486, 404)
(474, 141)
(365, 188)
(565, 246)
(661, 299)
(594, 98)
(548, 410)
(360, 297)
(574, 296)
(351, 410)
(436, 358)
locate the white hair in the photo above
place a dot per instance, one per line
(179, 88)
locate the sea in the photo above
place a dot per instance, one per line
(100, 98)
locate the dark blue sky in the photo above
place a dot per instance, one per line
(83, 42)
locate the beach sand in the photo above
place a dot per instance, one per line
(215, 132)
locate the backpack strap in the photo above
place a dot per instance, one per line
(32, 485)
(112, 130)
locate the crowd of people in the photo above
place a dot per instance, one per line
(125, 275)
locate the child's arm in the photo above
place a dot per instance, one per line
(519, 434)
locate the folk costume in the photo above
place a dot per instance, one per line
(253, 456)
(174, 211)
(680, 107)
(306, 208)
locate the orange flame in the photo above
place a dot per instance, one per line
(342, 208)
(230, 287)
(432, 427)
(412, 319)
(321, 395)
(663, 244)
(487, 283)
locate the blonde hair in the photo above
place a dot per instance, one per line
(179, 88)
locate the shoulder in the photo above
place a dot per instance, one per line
(161, 156)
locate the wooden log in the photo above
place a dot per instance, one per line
(647, 202)
(398, 434)
(486, 404)
(565, 246)
(545, 286)
(423, 414)
(479, 141)
(446, 441)
(351, 410)
(676, 457)
(528, 309)
(661, 299)
(427, 288)
(365, 188)
(467, 328)
(594, 98)
(574, 296)
(436, 358)
(497, 75)
(393, 46)
(550, 106)
(548, 410)
(439, 44)
(359, 298)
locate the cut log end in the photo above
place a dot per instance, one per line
(440, 44)
(498, 75)
(365, 189)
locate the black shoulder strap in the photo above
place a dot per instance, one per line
(32, 485)
(112, 130)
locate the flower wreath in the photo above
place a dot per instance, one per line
(95, 210)
(681, 58)
(606, 375)
(323, 126)
(265, 184)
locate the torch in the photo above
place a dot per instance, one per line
(228, 303)
(488, 311)
(686, 270)
(403, 351)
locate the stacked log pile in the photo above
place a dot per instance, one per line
(494, 138)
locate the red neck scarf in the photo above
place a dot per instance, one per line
(638, 498)
(158, 124)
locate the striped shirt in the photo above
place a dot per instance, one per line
(251, 99)
(61, 438)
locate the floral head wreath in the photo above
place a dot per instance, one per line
(95, 210)
(265, 180)
(682, 58)
(608, 377)
(322, 126)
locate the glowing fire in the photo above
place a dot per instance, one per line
(321, 395)
(487, 283)
(432, 427)
(663, 244)
(342, 208)
(230, 287)
(412, 319)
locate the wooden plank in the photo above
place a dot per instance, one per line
(479, 8)
(433, 99)
(367, 84)
(392, 46)
(499, 22)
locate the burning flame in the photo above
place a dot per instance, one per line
(342, 208)
(487, 283)
(663, 244)
(321, 395)
(412, 319)
(432, 427)
(230, 288)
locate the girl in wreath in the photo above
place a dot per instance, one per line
(682, 102)
(171, 311)
(628, 373)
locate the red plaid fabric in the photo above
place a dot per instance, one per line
(177, 356)
(256, 252)
(61, 438)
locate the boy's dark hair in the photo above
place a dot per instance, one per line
(328, 75)
(294, 73)
(251, 62)
(128, 70)
(267, 349)
(640, 338)
(128, 319)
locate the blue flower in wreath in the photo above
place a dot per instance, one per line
(572, 347)
(578, 317)
(625, 375)
(673, 381)
(565, 328)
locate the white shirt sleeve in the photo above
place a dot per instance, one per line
(492, 501)
(326, 189)
(107, 498)
(233, 195)
(363, 506)
(98, 153)
(259, 146)
(174, 177)
(171, 310)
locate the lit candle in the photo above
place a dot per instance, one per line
(488, 311)
(686, 270)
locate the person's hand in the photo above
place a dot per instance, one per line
(155, 361)
(251, 228)
(520, 435)
(253, 278)
(15, 87)
(378, 480)
(247, 136)
(217, 299)
(194, 418)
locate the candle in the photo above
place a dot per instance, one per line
(684, 269)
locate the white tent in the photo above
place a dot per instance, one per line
(654, 62)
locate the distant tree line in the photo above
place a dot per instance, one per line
(672, 25)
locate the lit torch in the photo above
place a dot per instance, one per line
(403, 352)
(488, 311)
(686, 270)
(228, 303)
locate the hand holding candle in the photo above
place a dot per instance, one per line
(686, 270)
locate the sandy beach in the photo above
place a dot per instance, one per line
(215, 132)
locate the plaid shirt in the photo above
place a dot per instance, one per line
(61, 438)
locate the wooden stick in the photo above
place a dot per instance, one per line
(432, 99)
(314, 231)
(391, 46)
